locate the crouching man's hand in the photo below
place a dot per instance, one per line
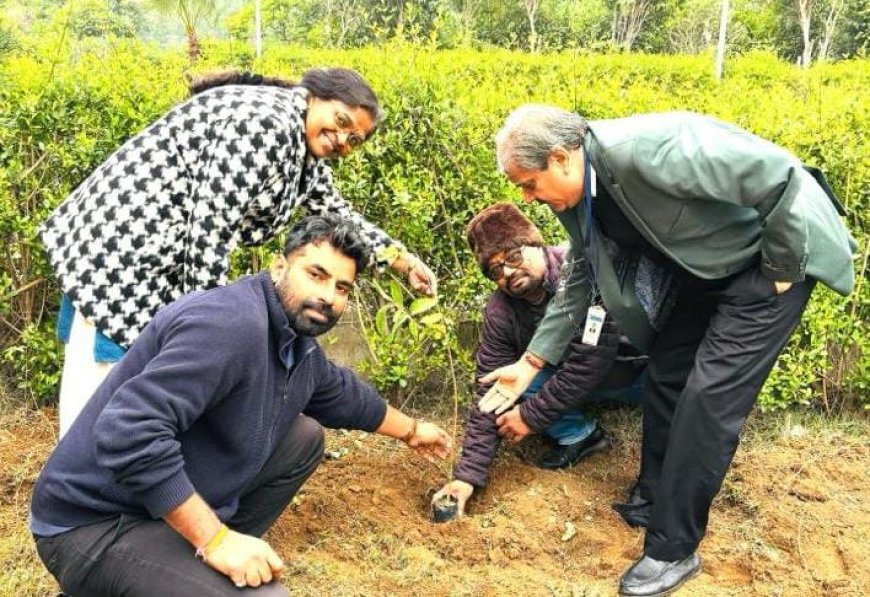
(429, 440)
(247, 561)
(460, 490)
(511, 426)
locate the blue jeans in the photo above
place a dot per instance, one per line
(575, 425)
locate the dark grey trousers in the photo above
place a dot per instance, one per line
(705, 371)
(141, 557)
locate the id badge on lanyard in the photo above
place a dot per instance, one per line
(595, 317)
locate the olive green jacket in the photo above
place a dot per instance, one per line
(714, 199)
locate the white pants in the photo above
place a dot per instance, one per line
(81, 373)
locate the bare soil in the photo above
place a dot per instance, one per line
(793, 518)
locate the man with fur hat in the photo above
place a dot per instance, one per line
(510, 250)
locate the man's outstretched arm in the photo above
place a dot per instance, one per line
(497, 349)
(427, 439)
(586, 366)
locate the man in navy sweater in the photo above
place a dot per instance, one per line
(199, 438)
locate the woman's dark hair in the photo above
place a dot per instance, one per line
(342, 84)
(234, 77)
(342, 234)
(345, 85)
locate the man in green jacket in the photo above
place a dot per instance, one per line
(704, 243)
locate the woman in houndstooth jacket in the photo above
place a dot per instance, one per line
(159, 218)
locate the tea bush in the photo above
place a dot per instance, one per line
(426, 172)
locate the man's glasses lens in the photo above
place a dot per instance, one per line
(496, 270)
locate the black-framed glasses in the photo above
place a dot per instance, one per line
(345, 124)
(513, 259)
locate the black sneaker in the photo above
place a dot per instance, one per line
(567, 456)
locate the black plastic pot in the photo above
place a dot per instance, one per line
(445, 508)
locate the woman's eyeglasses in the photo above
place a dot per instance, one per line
(345, 124)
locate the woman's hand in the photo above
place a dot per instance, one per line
(420, 277)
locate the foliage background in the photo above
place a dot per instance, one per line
(67, 102)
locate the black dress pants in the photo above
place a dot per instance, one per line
(142, 557)
(705, 371)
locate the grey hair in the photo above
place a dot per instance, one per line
(533, 131)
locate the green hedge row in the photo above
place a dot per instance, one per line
(428, 170)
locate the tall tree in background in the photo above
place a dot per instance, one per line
(531, 7)
(804, 10)
(341, 19)
(819, 23)
(314, 23)
(628, 20)
(720, 46)
(468, 12)
(191, 13)
(829, 27)
(833, 28)
(97, 18)
(691, 27)
(854, 33)
(258, 29)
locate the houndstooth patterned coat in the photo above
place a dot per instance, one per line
(160, 217)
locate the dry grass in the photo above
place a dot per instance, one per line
(26, 439)
(793, 518)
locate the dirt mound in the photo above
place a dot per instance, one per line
(793, 518)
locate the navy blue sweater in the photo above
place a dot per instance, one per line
(197, 404)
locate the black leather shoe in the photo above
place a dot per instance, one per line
(636, 510)
(653, 578)
(565, 456)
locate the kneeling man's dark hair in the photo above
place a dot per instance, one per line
(341, 233)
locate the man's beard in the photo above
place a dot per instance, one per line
(531, 287)
(303, 324)
(299, 321)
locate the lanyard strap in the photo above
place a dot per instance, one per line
(589, 246)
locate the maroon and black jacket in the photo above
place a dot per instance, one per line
(508, 326)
